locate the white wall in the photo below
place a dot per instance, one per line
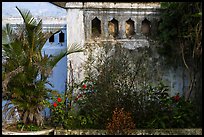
(75, 35)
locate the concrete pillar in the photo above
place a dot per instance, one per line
(121, 27)
(139, 24)
(75, 35)
(105, 28)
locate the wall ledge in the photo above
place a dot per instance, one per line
(193, 131)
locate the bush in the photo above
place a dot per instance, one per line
(121, 123)
(128, 79)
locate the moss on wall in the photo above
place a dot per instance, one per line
(135, 132)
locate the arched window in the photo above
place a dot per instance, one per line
(113, 27)
(51, 39)
(129, 28)
(61, 37)
(146, 27)
(96, 27)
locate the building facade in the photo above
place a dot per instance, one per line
(128, 24)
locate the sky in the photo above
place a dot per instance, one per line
(42, 9)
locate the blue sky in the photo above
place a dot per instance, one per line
(42, 9)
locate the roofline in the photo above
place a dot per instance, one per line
(58, 5)
(63, 4)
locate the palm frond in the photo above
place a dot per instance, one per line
(74, 48)
(7, 35)
(9, 75)
(11, 113)
(31, 116)
(41, 37)
(27, 16)
(23, 48)
(25, 116)
(6, 107)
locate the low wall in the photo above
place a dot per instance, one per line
(43, 132)
(197, 131)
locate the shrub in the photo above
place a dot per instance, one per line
(121, 122)
(128, 79)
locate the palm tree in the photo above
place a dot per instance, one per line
(25, 69)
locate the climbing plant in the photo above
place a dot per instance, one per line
(180, 37)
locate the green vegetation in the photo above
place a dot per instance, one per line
(180, 37)
(25, 69)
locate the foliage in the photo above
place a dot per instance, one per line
(181, 25)
(159, 110)
(58, 111)
(181, 41)
(122, 79)
(180, 37)
(115, 82)
(121, 123)
(25, 69)
(30, 127)
(64, 113)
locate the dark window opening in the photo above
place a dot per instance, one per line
(129, 28)
(61, 37)
(146, 27)
(51, 39)
(113, 27)
(96, 27)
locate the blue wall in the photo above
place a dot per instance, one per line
(59, 75)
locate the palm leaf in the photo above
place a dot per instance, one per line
(74, 48)
(6, 107)
(31, 116)
(39, 118)
(11, 113)
(27, 16)
(7, 35)
(23, 48)
(25, 116)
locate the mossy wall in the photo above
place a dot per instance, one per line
(197, 131)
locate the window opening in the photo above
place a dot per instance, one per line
(129, 28)
(61, 37)
(113, 27)
(96, 27)
(146, 26)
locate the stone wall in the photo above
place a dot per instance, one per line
(134, 132)
(108, 18)
(80, 18)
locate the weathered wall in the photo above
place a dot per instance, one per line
(134, 132)
(79, 19)
(75, 35)
(80, 16)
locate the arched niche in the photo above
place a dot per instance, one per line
(96, 27)
(61, 37)
(146, 27)
(113, 27)
(129, 28)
